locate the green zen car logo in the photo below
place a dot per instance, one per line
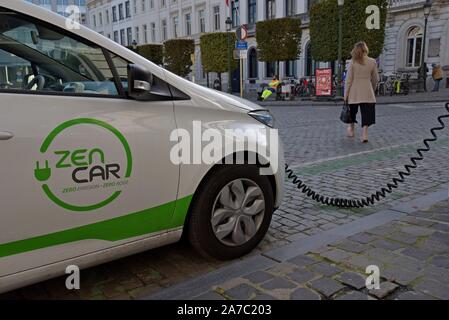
(72, 171)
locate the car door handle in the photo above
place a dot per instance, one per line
(5, 135)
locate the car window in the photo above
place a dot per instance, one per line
(121, 65)
(34, 57)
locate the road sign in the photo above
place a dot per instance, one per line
(243, 54)
(241, 45)
(242, 32)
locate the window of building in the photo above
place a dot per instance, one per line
(129, 35)
(252, 12)
(100, 18)
(114, 14)
(122, 37)
(270, 69)
(145, 33)
(252, 64)
(310, 63)
(235, 14)
(153, 32)
(116, 39)
(290, 68)
(144, 5)
(290, 8)
(135, 6)
(202, 21)
(414, 47)
(270, 9)
(164, 29)
(128, 9)
(137, 31)
(120, 11)
(107, 16)
(188, 19)
(217, 18)
(175, 20)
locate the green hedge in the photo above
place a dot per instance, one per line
(324, 28)
(177, 56)
(214, 52)
(152, 52)
(279, 39)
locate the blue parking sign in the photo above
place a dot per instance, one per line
(241, 45)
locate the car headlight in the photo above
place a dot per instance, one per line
(263, 116)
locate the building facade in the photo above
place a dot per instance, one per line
(60, 7)
(155, 21)
(405, 37)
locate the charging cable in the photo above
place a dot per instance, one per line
(378, 195)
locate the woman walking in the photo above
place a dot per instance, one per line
(361, 82)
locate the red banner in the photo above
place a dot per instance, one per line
(323, 79)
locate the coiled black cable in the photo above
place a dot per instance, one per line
(382, 193)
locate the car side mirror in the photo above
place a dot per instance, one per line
(139, 82)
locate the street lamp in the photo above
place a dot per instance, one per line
(427, 9)
(228, 29)
(341, 3)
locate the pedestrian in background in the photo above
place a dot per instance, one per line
(361, 81)
(272, 87)
(437, 75)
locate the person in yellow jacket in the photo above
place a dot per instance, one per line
(437, 75)
(272, 88)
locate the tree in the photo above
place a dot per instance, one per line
(177, 56)
(214, 52)
(152, 52)
(324, 28)
(279, 40)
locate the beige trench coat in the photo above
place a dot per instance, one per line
(361, 81)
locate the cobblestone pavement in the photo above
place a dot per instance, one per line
(317, 149)
(412, 254)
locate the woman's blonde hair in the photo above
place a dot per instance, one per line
(359, 52)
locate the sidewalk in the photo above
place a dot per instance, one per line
(410, 247)
(440, 96)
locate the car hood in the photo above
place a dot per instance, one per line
(213, 97)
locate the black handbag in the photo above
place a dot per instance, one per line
(345, 115)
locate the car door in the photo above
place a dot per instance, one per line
(82, 167)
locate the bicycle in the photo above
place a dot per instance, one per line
(401, 85)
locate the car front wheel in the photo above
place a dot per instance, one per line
(231, 212)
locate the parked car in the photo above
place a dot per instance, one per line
(86, 153)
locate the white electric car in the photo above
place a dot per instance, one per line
(99, 154)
